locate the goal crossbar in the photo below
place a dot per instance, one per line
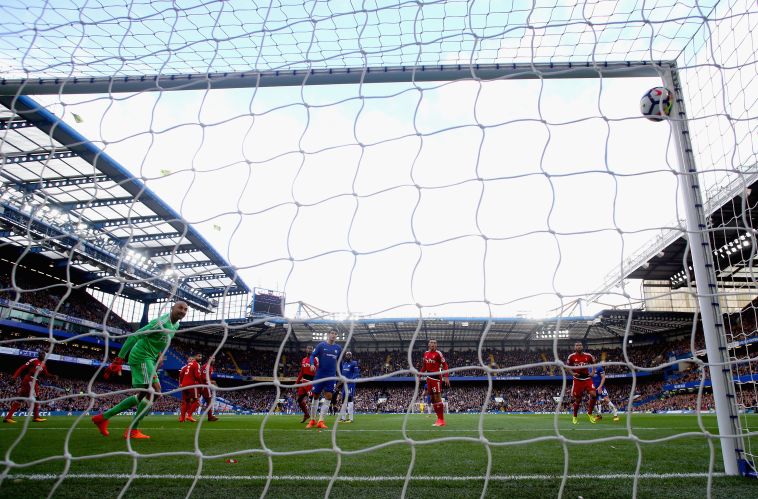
(332, 76)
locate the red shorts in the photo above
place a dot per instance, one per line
(580, 386)
(190, 393)
(26, 389)
(206, 394)
(433, 386)
(303, 390)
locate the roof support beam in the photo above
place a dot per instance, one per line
(63, 181)
(41, 156)
(150, 237)
(96, 203)
(187, 265)
(180, 249)
(13, 122)
(118, 222)
(205, 277)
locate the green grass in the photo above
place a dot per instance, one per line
(526, 455)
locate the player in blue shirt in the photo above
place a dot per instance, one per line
(327, 352)
(598, 379)
(351, 370)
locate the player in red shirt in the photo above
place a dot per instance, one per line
(190, 375)
(434, 362)
(580, 361)
(206, 374)
(32, 370)
(306, 374)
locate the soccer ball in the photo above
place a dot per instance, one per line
(656, 103)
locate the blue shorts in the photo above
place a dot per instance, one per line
(601, 394)
(348, 390)
(323, 386)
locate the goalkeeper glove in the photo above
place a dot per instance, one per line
(114, 368)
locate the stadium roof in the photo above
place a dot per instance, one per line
(67, 200)
(730, 221)
(451, 331)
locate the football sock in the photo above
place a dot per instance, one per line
(439, 408)
(613, 408)
(324, 409)
(125, 404)
(350, 410)
(591, 406)
(184, 409)
(576, 408)
(14, 407)
(304, 407)
(142, 409)
(314, 407)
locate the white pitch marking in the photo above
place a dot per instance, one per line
(397, 478)
(340, 430)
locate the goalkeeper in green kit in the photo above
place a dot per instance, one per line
(142, 349)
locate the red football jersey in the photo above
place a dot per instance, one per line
(190, 374)
(29, 368)
(306, 371)
(580, 359)
(206, 373)
(434, 362)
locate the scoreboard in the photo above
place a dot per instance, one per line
(267, 302)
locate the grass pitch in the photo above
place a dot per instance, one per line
(523, 456)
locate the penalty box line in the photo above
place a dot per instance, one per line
(326, 478)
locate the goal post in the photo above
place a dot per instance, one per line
(711, 316)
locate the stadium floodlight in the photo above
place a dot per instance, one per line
(461, 159)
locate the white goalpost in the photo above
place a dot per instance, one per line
(428, 162)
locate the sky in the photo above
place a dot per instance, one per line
(371, 200)
(462, 198)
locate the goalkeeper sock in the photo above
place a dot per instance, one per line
(142, 409)
(350, 410)
(576, 409)
(125, 404)
(439, 408)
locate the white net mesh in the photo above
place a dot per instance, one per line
(456, 169)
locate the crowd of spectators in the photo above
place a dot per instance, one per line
(65, 394)
(32, 288)
(78, 349)
(463, 362)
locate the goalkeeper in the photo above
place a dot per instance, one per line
(142, 349)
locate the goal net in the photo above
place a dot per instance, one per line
(477, 173)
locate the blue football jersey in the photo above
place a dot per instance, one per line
(327, 356)
(350, 369)
(596, 376)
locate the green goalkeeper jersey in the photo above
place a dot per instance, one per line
(148, 346)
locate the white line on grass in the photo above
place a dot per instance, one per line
(397, 478)
(358, 430)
